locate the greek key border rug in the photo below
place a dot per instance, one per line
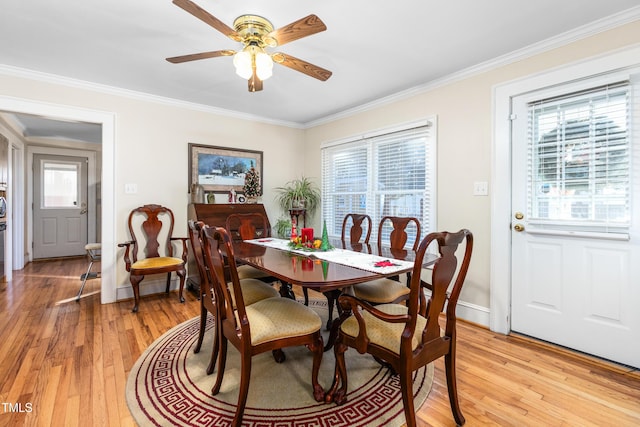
(168, 386)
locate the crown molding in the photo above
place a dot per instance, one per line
(140, 96)
(568, 37)
(596, 27)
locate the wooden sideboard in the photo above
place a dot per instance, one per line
(215, 214)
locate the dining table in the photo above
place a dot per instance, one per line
(338, 268)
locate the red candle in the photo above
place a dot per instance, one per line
(307, 235)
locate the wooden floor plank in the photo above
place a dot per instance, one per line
(76, 356)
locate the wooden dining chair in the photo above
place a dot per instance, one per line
(388, 290)
(155, 237)
(408, 337)
(267, 325)
(351, 225)
(247, 226)
(253, 290)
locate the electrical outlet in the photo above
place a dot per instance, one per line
(480, 188)
(130, 188)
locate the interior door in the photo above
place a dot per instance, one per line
(59, 206)
(575, 250)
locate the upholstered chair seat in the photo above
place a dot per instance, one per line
(249, 272)
(157, 262)
(254, 290)
(381, 291)
(385, 334)
(275, 318)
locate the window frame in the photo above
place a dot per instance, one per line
(370, 143)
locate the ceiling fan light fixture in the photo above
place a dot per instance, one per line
(249, 57)
(242, 62)
(264, 65)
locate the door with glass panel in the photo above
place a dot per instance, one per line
(59, 206)
(575, 237)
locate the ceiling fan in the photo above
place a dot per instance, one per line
(256, 34)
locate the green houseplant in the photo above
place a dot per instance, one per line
(283, 228)
(300, 193)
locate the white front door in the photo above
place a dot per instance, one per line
(575, 261)
(59, 206)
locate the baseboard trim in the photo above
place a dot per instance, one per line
(150, 287)
(473, 313)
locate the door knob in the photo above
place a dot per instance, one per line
(83, 211)
(518, 227)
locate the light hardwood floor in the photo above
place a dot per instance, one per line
(66, 363)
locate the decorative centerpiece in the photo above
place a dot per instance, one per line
(251, 186)
(304, 243)
(309, 245)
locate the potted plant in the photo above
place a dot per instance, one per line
(300, 193)
(283, 228)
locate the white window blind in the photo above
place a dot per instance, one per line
(579, 162)
(387, 174)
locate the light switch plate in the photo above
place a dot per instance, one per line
(480, 188)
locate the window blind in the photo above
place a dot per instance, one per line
(387, 174)
(579, 159)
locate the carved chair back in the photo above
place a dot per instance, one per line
(356, 231)
(155, 232)
(398, 236)
(248, 226)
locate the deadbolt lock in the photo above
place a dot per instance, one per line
(519, 215)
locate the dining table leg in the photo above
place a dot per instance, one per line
(343, 313)
(335, 327)
(286, 291)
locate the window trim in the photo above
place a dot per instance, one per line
(430, 205)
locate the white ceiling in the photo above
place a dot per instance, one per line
(374, 49)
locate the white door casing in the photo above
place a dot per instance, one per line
(107, 120)
(581, 292)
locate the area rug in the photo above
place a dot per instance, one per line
(168, 386)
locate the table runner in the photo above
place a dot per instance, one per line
(362, 261)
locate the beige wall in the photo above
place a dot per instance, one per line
(464, 116)
(151, 149)
(151, 144)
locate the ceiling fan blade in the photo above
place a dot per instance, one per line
(301, 66)
(296, 30)
(208, 18)
(202, 55)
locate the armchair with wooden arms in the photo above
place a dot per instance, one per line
(408, 337)
(156, 240)
(267, 325)
(388, 290)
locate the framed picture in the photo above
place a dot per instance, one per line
(221, 169)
